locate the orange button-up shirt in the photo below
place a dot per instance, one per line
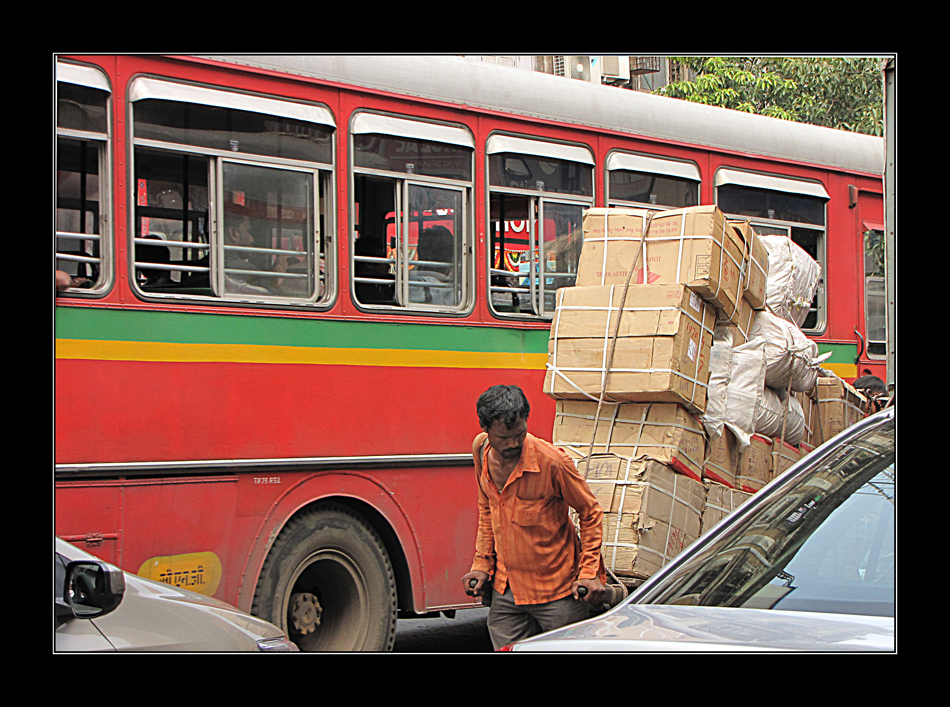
(526, 538)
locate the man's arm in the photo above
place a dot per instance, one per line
(590, 516)
(483, 565)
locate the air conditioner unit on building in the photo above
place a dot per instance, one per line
(615, 68)
(579, 67)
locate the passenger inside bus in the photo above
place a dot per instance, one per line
(436, 245)
(158, 254)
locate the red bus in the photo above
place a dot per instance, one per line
(265, 382)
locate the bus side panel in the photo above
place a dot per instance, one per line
(89, 515)
(117, 411)
(432, 512)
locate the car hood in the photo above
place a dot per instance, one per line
(660, 628)
(157, 616)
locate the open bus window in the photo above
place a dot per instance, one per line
(409, 256)
(535, 247)
(221, 218)
(538, 195)
(799, 216)
(410, 245)
(81, 150)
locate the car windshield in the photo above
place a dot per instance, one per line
(824, 542)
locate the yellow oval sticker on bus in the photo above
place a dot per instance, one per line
(198, 571)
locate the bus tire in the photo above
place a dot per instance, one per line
(329, 584)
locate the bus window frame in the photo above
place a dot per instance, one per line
(537, 198)
(94, 78)
(396, 126)
(782, 184)
(324, 177)
(677, 169)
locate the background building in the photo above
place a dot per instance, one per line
(638, 73)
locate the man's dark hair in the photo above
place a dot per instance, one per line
(502, 402)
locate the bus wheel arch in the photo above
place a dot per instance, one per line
(329, 582)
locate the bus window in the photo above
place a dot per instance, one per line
(639, 181)
(538, 193)
(875, 295)
(789, 207)
(229, 201)
(411, 219)
(81, 163)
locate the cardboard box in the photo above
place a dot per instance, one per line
(690, 246)
(783, 456)
(661, 352)
(839, 407)
(664, 432)
(810, 412)
(720, 502)
(741, 324)
(755, 464)
(754, 271)
(722, 459)
(651, 512)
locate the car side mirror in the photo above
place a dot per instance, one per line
(91, 589)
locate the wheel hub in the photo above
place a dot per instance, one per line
(305, 611)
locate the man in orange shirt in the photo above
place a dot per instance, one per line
(526, 546)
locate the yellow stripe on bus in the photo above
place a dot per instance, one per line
(82, 349)
(842, 370)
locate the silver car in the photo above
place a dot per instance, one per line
(805, 564)
(99, 607)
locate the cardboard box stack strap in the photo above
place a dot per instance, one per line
(651, 512)
(720, 502)
(661, 352)
(663, 432)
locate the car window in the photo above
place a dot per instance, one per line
(825, 541)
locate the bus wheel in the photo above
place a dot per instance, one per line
(329, 584)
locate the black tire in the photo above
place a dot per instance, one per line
(329, 561)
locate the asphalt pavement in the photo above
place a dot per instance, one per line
(466, 633)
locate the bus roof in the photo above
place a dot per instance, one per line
(534, 94)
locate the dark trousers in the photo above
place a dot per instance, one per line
(509, 622)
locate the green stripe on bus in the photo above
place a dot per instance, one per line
(200, 328)
(840, 353)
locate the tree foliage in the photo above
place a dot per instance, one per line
(842, 93)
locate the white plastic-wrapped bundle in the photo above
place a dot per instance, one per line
(770, 411)
(745, 385)
(736, 378)
(792, 280)
(720, 370)
(790, 356)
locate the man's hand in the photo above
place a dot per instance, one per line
(480, 581)
(596, 593)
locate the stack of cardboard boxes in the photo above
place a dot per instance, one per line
(629, 366)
